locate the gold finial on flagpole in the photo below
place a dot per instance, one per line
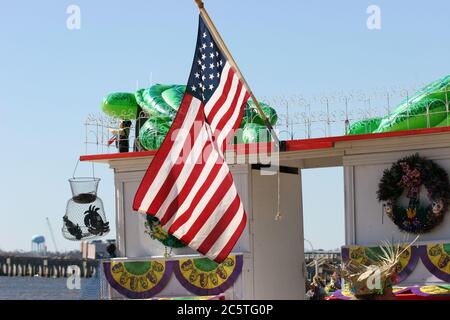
(199, 4)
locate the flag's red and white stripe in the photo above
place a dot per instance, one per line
(188, 186)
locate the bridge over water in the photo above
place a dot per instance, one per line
(13, 266)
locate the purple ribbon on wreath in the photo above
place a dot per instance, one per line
(411, 180)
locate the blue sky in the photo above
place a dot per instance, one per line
(52, 77)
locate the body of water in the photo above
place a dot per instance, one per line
(36, 288)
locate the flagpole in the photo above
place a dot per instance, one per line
(234, 65)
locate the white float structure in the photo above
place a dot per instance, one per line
(273, 248)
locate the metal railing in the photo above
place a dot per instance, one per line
(299, 117)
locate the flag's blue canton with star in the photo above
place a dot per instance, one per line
(207, 66)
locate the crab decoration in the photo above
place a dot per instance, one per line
(94, 222)
(72, 228)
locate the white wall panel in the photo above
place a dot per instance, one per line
(277, 245)
(371, 225)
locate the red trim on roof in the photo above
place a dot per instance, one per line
(123, 155)
(307, 144)
(251, 148)
(291, 145)
(328, 142)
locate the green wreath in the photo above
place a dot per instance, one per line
(409, 174)
(155, 231)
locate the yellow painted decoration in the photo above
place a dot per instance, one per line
(439, 256)
(434, 290)
(364, 255)
(206, 274)
(138, 276)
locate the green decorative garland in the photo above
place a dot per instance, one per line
(156, 232)
(409, 174)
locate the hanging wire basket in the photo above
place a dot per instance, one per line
(84, 190)
(85, 215)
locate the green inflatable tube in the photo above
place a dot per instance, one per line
(364, 126)
(251, 114)
(254, 132)
(417, 117)
(444, 123)
(161, 103)
(121, 105)
(427, 108)
(153, 132)
(173, 96)
(153, 103)
(140, 99)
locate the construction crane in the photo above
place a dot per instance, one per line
(51, 234)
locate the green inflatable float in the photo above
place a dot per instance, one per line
(161, 103)
(365, 126)
(121, 105)
(425, 109)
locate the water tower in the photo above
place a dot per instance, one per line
(38, 244)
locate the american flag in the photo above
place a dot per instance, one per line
(188, 185)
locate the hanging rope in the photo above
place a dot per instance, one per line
(278, 216)
(74, 170)
(76, 166)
